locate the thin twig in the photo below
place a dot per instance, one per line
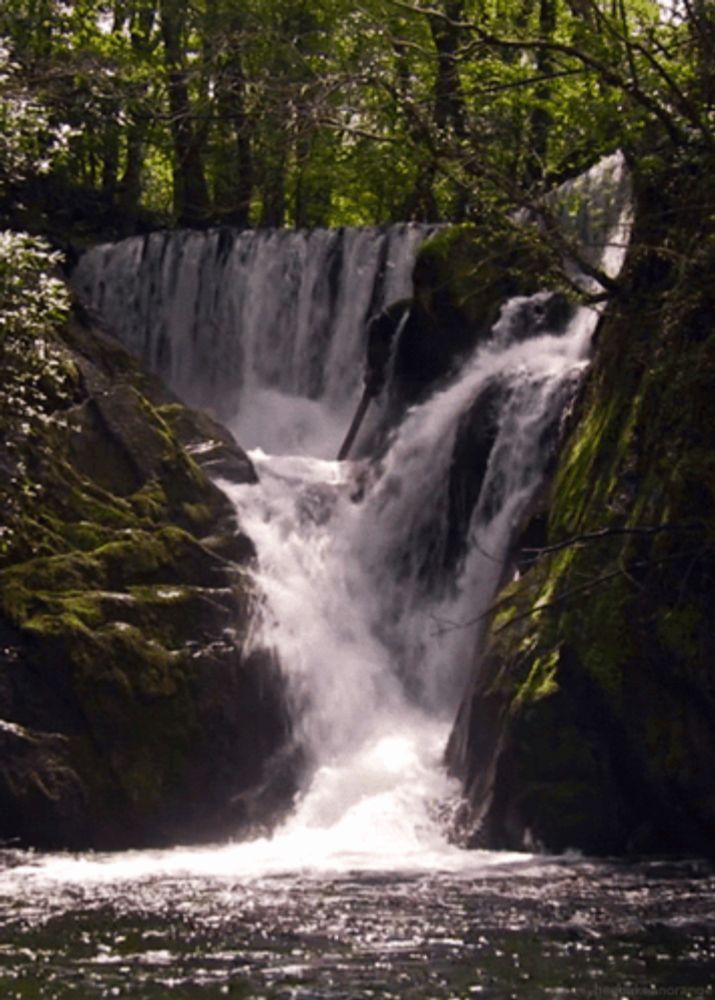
(590, 536)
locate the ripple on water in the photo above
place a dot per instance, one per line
(534, 928)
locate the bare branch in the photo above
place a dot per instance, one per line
(622, 570)
(591, 536)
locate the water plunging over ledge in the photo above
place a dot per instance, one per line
(367, 592)
(244, 322)
(362, 603)
(359, 893)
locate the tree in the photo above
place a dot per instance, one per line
(304, 113)
(191, 197)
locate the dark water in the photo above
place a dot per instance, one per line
(526, 929)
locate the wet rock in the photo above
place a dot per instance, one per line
(470, 458)
(590, 722)
(462, 276)
(133, 713)
(40, 791)
(210, 444)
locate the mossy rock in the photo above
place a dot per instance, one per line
(462, 277)
(210, 444)
(125, 602)
(591, 721)
(465, 273)
(39, 786)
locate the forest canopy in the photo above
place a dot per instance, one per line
(137, 113)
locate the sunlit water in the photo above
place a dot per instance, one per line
(360, 892)
(191, 925)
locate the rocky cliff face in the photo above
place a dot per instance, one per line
(590, 722)
(131, 709)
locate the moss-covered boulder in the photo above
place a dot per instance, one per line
(131, 709)
(463, 275)
(591, 719)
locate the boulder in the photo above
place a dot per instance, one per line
(463, 274)
(132, 709)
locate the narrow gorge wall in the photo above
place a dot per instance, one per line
(590, 722)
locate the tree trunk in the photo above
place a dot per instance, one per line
(130, 185)
(540, 118)
(448, 98)
(191, 200)
(112, 130)
(234, 163)
(273, 190)
(142, 22)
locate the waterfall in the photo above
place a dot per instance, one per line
(371, 625)
(376, 576)
(243, 322)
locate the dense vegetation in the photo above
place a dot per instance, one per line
(299, 112)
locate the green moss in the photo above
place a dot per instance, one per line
(84, 535)
(83, 501)
(575, 481)
(84, 606)
(171, 413)
(150, 502)
(135, 696)
(541, 680)
(197, 514)
(145, 555)
(20, 585)
(471, 270)
(503, 617)
(147, 665)
(55, 625)
(154, 416)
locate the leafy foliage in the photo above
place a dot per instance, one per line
(306, 113)
(32, 299)
(28, 141)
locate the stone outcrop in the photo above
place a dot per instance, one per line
(463, 274)
(590, 722)
(131, 709)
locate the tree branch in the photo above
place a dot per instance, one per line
(591, 536)
(448, 626)
(608, 73)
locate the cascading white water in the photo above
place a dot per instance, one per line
(240, 322)
(370, 620)
(374, 667)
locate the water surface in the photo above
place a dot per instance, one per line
(193, 924)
